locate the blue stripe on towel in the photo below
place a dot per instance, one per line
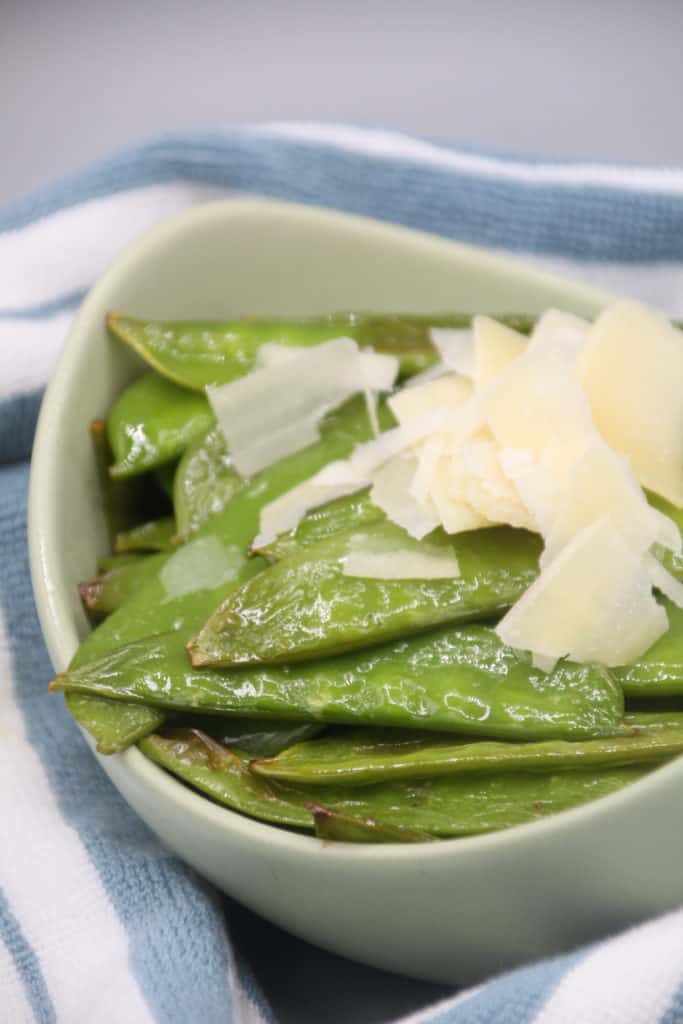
(27, 965)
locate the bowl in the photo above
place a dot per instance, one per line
(453, 911)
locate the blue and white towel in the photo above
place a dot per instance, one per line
(97, 921)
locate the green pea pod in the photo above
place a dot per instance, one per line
(340, 516)
(252, 737)
(155, 535)
(200, 573)
(125, 502)
(658, 672)
(153, 422)
(669, 559)
(447, 806)
(204, 483)
(359, 757)
(342, 828)
(195, 354)
(104, 594)
(107, 562)
(461, 680)
(306, 607)
(113, 725)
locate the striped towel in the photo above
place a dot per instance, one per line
(97, 921)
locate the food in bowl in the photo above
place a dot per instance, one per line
(394, 618)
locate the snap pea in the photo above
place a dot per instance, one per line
(359, 757)
(456, 679)
(125, 502)
(349, 513)
(153, 422)
(333, 826)
(155, 535)
(446, 806)
(671, 560)
(195, 354)
(107, 562)
(204, 482)
(107, 592)
(306, 607)
(114, 726)
(252, 737)
(658, 672)
(221, 544)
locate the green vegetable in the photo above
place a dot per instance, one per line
(342, 828)
(205, 481)
(340, 516)
(658, 672)
(197, 353)
(113, 725)
(306, 607)
(107, 562)
(153, 609)
(461, 680)
(669, 559)
(125, 502)
(156, 535)
(153, 422)
(104, 594)
(253, 737)
(447, 806)
(359, 757)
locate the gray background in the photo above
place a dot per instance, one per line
(591, 78)
(598, 78)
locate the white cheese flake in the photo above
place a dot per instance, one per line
(495, 347)
(391, 492)
(372, 558)
(455, 345)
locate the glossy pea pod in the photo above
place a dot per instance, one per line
(195, 354)
(197, 576)
(446, 806)
(350, 513)
(365, 756)
(204, 482)
(457, 679)
(103, 594)
(153, 535)
(305, 607)
(152, 423)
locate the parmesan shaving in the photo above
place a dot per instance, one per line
(664, 581)
(495, 346)
(632, 371)
(275, 410)
(391, 492)
(594, 602)
(369, 558)
(455, 345)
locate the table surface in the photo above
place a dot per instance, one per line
(80, 80)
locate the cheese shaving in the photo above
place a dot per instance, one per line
(456, 348)
(371, 559)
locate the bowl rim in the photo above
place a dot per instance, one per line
(57, 626)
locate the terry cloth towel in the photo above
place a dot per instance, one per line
(97, 921)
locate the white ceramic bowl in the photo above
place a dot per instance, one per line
(451, 911)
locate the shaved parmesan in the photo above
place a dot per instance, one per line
(537, 397)
(372, 559)
(447, 392)
(276, 410)
(287, 511)
(561, 332)
(488, 490)
(391, 492)
(594, 602)
(495, 346)
(456, 348)
(428, 456)
(632, 371)
(602, 483)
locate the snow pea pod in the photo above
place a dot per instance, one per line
(359, 757)
(306, 607)
(107, 562)
(204, 483)
(446, 806)
(658, 672)
(155, 535)
(349, 513)
(125, 502)
(455, 679)
(107, 592)
(153, 422)
(195, 354)
(253, 737)
(333, 826)
(197, 576)
(113, 725)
